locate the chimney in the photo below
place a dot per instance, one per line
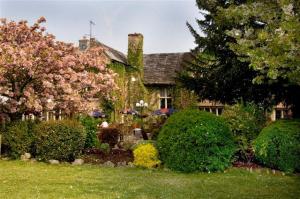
(83, 44)
(135, 51)
(93, 42)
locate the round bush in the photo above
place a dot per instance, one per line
(146, 155)
(60, 140)
(278, 145)
(192, 140)
(18, 138)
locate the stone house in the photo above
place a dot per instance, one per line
(148, 77)
(152, 78)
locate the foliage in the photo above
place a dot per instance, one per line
(153, 125)
(272, 48)
(110, 136)
(135, 50)
(60, 140)
(136, 89)
(215, 72)
(192, 140)
(18, 137)
(90, 125)
(245, 121)
(278, 145)
(104, 147)
(39, 73)
(108, 108)
(121, 93)
(146, 155)
(221, 69)
(184, 98)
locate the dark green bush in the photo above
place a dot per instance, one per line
(90, 125)
(192, 140)
(278, 145)
(61, 140)
(18, 138)
(110, 136)
(245, 122)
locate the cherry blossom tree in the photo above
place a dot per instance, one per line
(38, 73)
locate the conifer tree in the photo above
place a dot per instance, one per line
(222, 69)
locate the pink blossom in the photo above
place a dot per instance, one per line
(45, 68)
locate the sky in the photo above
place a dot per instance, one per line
(162, 22)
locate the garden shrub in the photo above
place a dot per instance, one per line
(61, 140)
(110, 136)
(90, 125)
(193, 140)
(278, 145)
(146, 155)
(245, 122)
(18, 138)
(105, 148)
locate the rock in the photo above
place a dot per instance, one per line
(78, 162)
(121, 164)
(108, 164)
(32, 160)
(166, 169)
(130, 164)
(27, 155)
(23, 158)
(53, 161)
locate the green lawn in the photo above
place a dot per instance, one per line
(39, 180)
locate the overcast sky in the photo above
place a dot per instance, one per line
(162, 22)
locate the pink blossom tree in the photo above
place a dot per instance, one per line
(38, 73)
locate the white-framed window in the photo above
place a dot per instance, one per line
(165, 98)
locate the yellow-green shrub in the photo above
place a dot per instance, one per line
(146, 155)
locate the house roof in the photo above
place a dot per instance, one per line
(161, 69)
(113, 54)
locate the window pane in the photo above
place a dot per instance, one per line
(162, 103)
(169, 103)
(278, 114)
(163, 92)
(220, 111)
(214, 111)
(169, 92)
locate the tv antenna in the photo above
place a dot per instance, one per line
(91, 26)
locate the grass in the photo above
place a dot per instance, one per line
(40, 180)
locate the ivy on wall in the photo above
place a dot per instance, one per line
(136, 89)
(114, 107)
(135, 51)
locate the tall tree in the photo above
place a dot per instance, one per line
(38, 73)
(273, 48)
(218, 72)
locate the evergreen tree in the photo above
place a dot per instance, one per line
(218, 71)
